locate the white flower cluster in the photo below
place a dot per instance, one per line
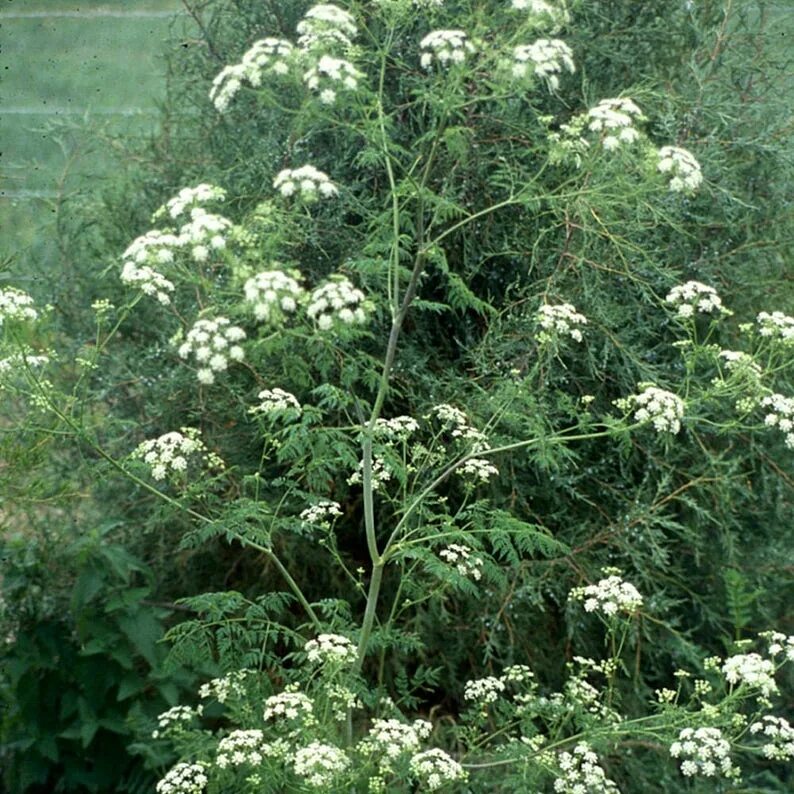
(392, 738)
(331, 648)
(204, 233)
(609, 595)
(330, 75)
(544, 13)
(337, 302)
(738, 361)
(16, 305)
(445, 47)
(435, 768)
(465, 562)
(662, 408)
(704, 751)
(694, 297)
(753, 670)
(149, 281)
(484, 690)
(246, 747)
(273, 293)
(684, 169)
(321, 514)
(141, 259)
(326, 25)
(170, 453)
(231, 685)
(266, 56)
(517, 674)
(174, 720)
(381, 474)
(459, 426)
(776, 325)
(307, 181)
(477, 470)
(319, 764)
(183, 779)
(276, 401)
(779, 737)
(397, 428)
(615, 118)
(545, 59)
(189, 198)
(781, 415)
(19, 362)
(560, 321)
(289, 706)
(582, 774)
(213, 344)
(780, 644)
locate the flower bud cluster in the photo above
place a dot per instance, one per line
(615, 119)
(435, 768)
(337, 302)
(545, 59)
(183, 779)
(275, 401)
(319, 764)
(609, 595)
(560, 321)
(266, 56)
(175, 720)
(703, 751)
(213, 343)
(289, 705)
(307, 182)
(753, 670)
(16, 305)
(582, 774)
(171, 453)
(322, 514)
(444, 47)
(662, 408)
(781, 416)
(779, 736)
(190, 198)
(777, 326)
(331, 648)
(466, 563)
(329, 75)
(273, 293)
(683, 168)
(694, 297)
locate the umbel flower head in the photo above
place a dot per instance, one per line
(444, 47)
(560, 321)
(330, 75)
(704, 751)
(326, 26)
(183, 779)
(776, 326)
(781, 415)
(213, 343)
(171, 453)
(188, 198)
(435, 768)
(306, 182)
(695, 298)
(545, 59)
(615, 118)
(609, 595)
(337, 303)
(273, 293)
(547, 14)
(16, 305)
(661, 408)
(683, 168)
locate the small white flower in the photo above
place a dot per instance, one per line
(337, 302)
(171, 452)
(466, 563)
(183, 779)
(776, 326)
(321, 514)
(752, 670)
(609, 595)
(331, 648)
(272, 294)
(545, 59)
(435, 768)
(703, 751)
(580, 773)
(307, 181)
(661, 408)
(559, 321)
(683, 168)
(615, 118)
(693, 297)
(209, 342)
(444, 47)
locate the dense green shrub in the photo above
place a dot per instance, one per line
(474, 208)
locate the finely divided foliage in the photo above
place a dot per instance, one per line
(417, 492)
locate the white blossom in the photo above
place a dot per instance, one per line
(204, 233)
(695, 298)
(289, 705)
(545, 59)
(779, 737)
(232, 685)
(484, 690)
(175, 720)
(330, 75)
(609, 595)
(337, 303)
(781, 415)
(459, 427)
(307, 182)
(389, 739)
(560, 321)
(273, 294)
(331, 648)
(466, 563)
(435, 768)
(213, 343)
(776, 326)
(477, 470)
(580, 773)
(780, 645)
(326, 26)
(247, 747)
(16, 305)
(189, 198)
(170, 453)
(148, 281)
(703, 751)
(444, 47)
(615, 118)
(663, 409)
(381, 474)
(183, 779)
(398, 428)
(322, 513)
(276, 402)
(544, 13)
(683, 168)
(319, 764)
(752, 670)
